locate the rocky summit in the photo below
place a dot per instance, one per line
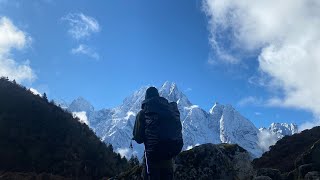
(207, 161)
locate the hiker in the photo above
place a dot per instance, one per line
(158, 126)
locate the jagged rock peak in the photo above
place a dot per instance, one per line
(80, 104)
(169, 86)
(170, 91)
(136, 95)
(290, 126)
(229, 106)
(133, 102)
(216, 108)
(283, 129)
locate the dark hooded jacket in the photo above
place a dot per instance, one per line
(139, 126)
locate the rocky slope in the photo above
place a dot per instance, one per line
(207, 161)
(294, 156)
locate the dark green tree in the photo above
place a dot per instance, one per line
(44, 96)
(133, 161)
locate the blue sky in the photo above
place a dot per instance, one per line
(105, 50)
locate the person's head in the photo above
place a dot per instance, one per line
(151, 92)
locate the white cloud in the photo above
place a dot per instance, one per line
(86, 50)
(81, 26)
(10, 36)
(188, 90)
(262, 80)
(189, 147)
(13, 38)
(18, 71)
(124, 152)
(266, 139)
(309, 124)
(82, 115)
(250, 100)
(35, 92)
(130, 114)
(285, 33)
(257, 113)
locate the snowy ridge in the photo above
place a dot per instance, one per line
(269, 136)
(281, 129)
(236, 129)
(222, 124)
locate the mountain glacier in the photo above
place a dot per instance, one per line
(222, 124)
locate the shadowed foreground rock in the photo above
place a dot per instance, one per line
(294, 157)
(30, 176)
(284, 154)
(207, 161)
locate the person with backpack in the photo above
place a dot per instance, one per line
(158, 126)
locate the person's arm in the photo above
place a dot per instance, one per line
(138, 130)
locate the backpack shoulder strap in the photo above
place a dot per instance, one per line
(138, 130)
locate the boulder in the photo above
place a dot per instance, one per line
(313, 175)
(209, 161)
(262, 178)
(304, 169)
(133, 174)
(312, 155)
(291, 175)
(274, 174)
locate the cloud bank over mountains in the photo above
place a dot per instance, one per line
(286, 36)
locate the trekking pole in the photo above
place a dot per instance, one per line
(131, 147)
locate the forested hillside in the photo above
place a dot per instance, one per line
(38, 136)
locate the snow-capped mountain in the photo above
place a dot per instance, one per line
(80, 104)
(281, 129)
(276, 131)
(222, 124)
(234, 128)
